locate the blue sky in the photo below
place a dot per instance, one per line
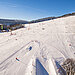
(34, 9)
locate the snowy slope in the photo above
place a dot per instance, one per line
(50, 40)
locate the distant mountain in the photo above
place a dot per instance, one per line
(11, 22)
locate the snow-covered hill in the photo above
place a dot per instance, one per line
(51, 42)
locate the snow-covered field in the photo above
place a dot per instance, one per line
(51, 41)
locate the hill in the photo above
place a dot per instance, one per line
(51, 18)
(39, 48)
(11, 22)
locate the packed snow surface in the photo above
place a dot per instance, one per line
(34, 49)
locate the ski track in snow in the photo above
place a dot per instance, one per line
(17, 52)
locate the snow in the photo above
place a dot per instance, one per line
(51, 41)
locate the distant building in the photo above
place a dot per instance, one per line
(3, 27)
(16, 26)
(11, 27)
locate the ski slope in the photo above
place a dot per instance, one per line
(51, 41)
